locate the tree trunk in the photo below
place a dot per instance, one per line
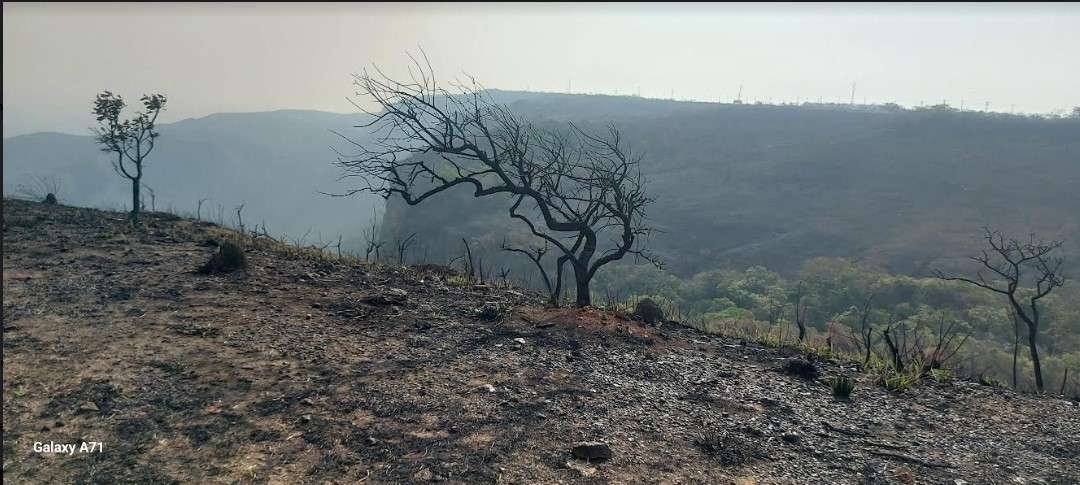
(135, 200)
(581, 277)
(556, 293)
(800, 316)
(1016, 348)
(1033, 334)
(898, 360)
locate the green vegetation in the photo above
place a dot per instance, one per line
(757, 304)
(898, 381)
(989, 381)
(940, 375)
(858, 205)
(842, 387)
(131, 140)
(739, 186)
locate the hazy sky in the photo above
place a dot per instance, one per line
(252, 57)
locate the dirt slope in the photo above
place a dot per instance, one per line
(301, 372)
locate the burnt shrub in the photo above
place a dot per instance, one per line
(648, 311)
(730, 448)
(802, 369)
(228, 258)
(492, 311)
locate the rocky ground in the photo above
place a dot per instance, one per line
(319, 372)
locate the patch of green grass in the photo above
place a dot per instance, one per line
(940, 375)
(899, 381)
(458, 280)
(896, 382)
(820, 351)
(989, 381)
(842, 387)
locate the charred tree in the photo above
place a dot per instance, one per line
(1024, 272)
(799, 306)
(536, 255)
(580, 192)
(403, 244)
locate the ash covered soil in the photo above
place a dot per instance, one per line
(316, 372)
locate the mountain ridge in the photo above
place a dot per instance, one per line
(904, 189)
(275, 163)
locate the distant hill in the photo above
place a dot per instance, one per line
(275, 163)
(735, 185)
(740, 185)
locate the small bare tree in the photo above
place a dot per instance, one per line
(921, 343)
(130, 140)
(945, 344)
(1024, 272)
(895, 336)
(198, 209)
(863, 337)
(536, 255)
(504, 275)
(467, 261)
(153, 198)
(39, 188)
(403, 244)
(799, 307)
(569, 187)
(371, 238)
(240, 217)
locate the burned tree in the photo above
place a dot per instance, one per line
(130, 140)
(945, 344)
(403, 244)
(536, 255)
(921, 343)
(895, 335)
(1024, 272)
(570, 188)
(371, 238)
(799, 307)
(864, 335)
